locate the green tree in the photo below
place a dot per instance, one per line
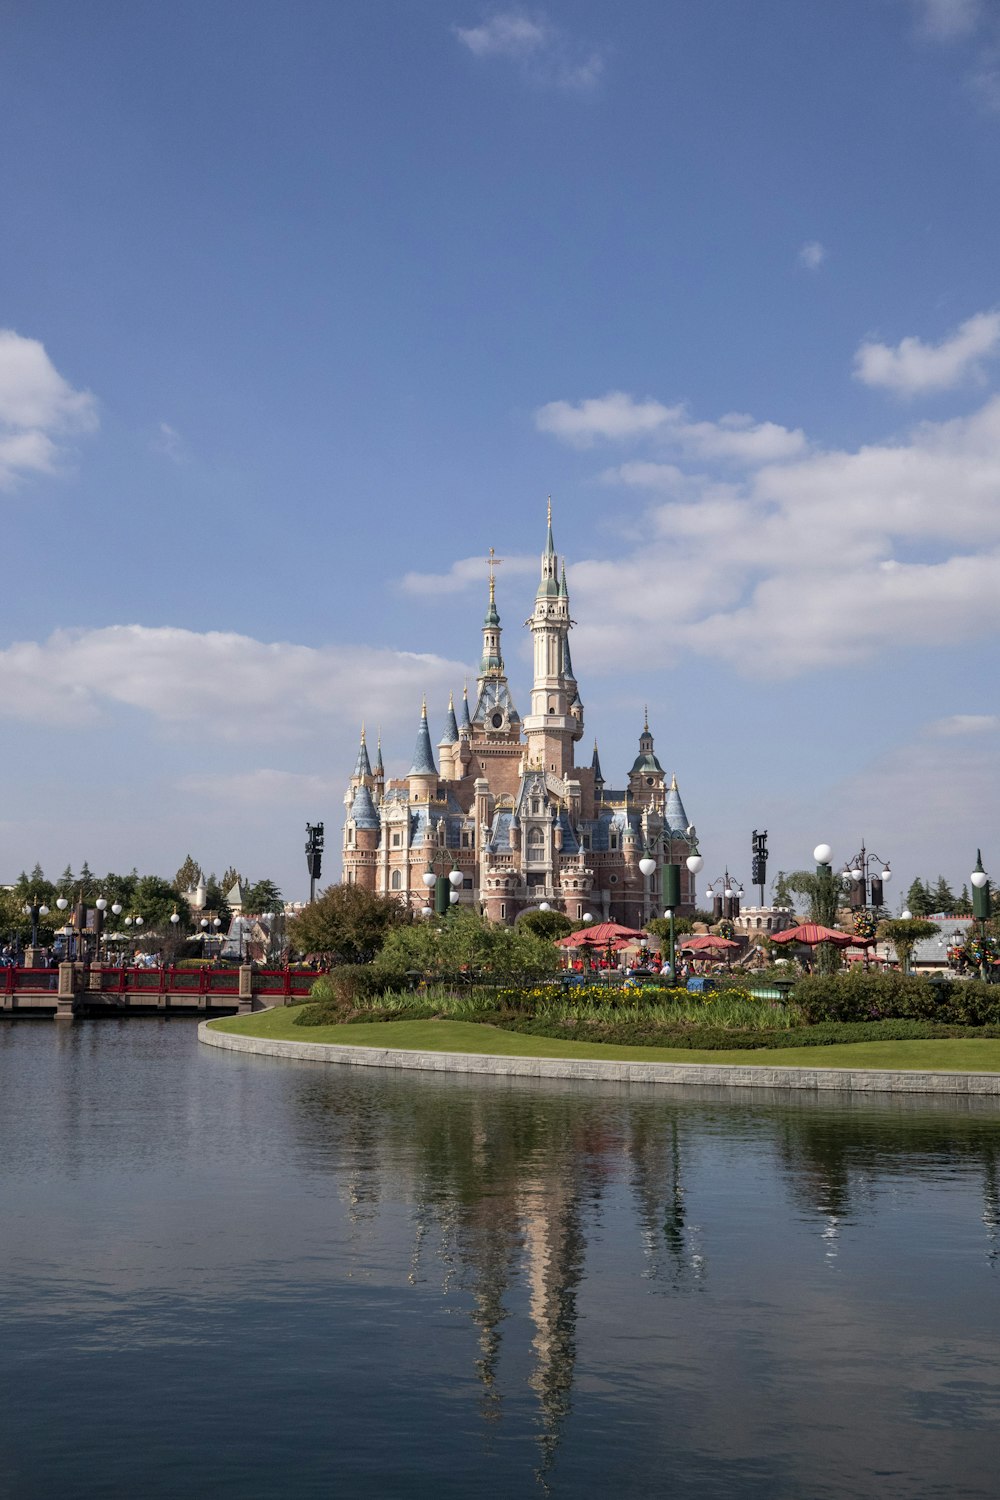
(35, 887)
(547, 924)
(231, 877)
(782, 892)
(919, 902)
(261, 897)
(904, 934)
(120, 889)
(464, 943)
(154, 899)
(660, 927)
(66, 884)
(187, 876)
(963, 905)
(942, 897)
(347, 922)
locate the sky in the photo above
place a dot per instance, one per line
(305, 307)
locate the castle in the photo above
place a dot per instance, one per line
(506, 813)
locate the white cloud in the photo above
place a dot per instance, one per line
(505, 35)
(467, 573)
(37, 406)
(812, 255)
(913, 367)
(944, 20)
(545, 54)
(818, 558)
(169, 442)
(619, 417)
(964, 724)
(216, 684)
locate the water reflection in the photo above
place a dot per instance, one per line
(445, 1284)
(508, 1184)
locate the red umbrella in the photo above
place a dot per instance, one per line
(812, 933)
(703, 942)
(601, 934)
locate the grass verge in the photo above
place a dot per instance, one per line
(958, 1055)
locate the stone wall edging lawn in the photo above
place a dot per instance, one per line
(726, 1075)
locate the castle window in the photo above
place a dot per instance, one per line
(536, 806)
(579, 912)
(467, 884)
(397, 839)
(536, 836)
(613, 879)
(503, 910)
(466, 839)
(586, 841)
(396, 882)
(613, 841)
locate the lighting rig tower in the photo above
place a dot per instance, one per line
(758, 862)
(314, 856)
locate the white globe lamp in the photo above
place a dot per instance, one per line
(694, 863)
(821, 854)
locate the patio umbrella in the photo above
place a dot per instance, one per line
(811, 933)
(705, 942)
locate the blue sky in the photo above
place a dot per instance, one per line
(308, 306)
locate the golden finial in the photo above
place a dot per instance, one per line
(645, 718)
(423, 708)
(362, 731)
(550, 510)
(451, 702)
(493, 562)
(673, 782)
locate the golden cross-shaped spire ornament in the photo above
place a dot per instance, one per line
(493, 562)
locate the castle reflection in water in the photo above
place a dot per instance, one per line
(505, 1204)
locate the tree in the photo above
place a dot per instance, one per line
(66, 884)
(547, 924)
(919, 901)
(187, 876)
(87, 888)
(348, 922)
(35, 887)
(660, 927)
(942, 897)
(263, 896)
(466, 944)
(782, 892)
(822, 889)
(230, 877)
(155, 900)
(904, 934)
(963, 906)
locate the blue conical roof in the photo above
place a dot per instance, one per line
(363, 811)
(675, 817)
(423, 755)
(466, 719)
(595, 766)
(450, 736)
(363, 766)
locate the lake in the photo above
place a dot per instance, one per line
(239, 1276)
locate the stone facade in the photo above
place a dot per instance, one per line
(507, 806)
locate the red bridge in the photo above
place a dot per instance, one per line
(99, 989)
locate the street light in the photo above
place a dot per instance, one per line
(866, 873)
(727, 902)
(981, 907)
(34, 910)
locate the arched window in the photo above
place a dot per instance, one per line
(536, 836)
(396, 882)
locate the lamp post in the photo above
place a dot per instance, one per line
(215, 923)
(34, 909)
(726, 899)
(445, 887)
(981, 907)
(865, 876)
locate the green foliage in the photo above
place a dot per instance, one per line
(465, 943)
(230, 877)
(348, 923)
(783, 894)
(660, 927)
(263, 896)
(963, 904)
(904, 935)
(547, 924)
(874, 996)
(919, 901)
(942, 897)
(154, 899)
(188, 875)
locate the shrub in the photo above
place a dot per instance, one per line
(871, 996)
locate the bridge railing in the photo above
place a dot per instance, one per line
(108, 979)
(29, 981)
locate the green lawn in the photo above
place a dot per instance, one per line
(960, 1055)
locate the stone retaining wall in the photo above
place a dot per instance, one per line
(728, 1075)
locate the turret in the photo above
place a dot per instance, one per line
(448, 743)
(422, 774)
(646, 778)
(552, 726)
